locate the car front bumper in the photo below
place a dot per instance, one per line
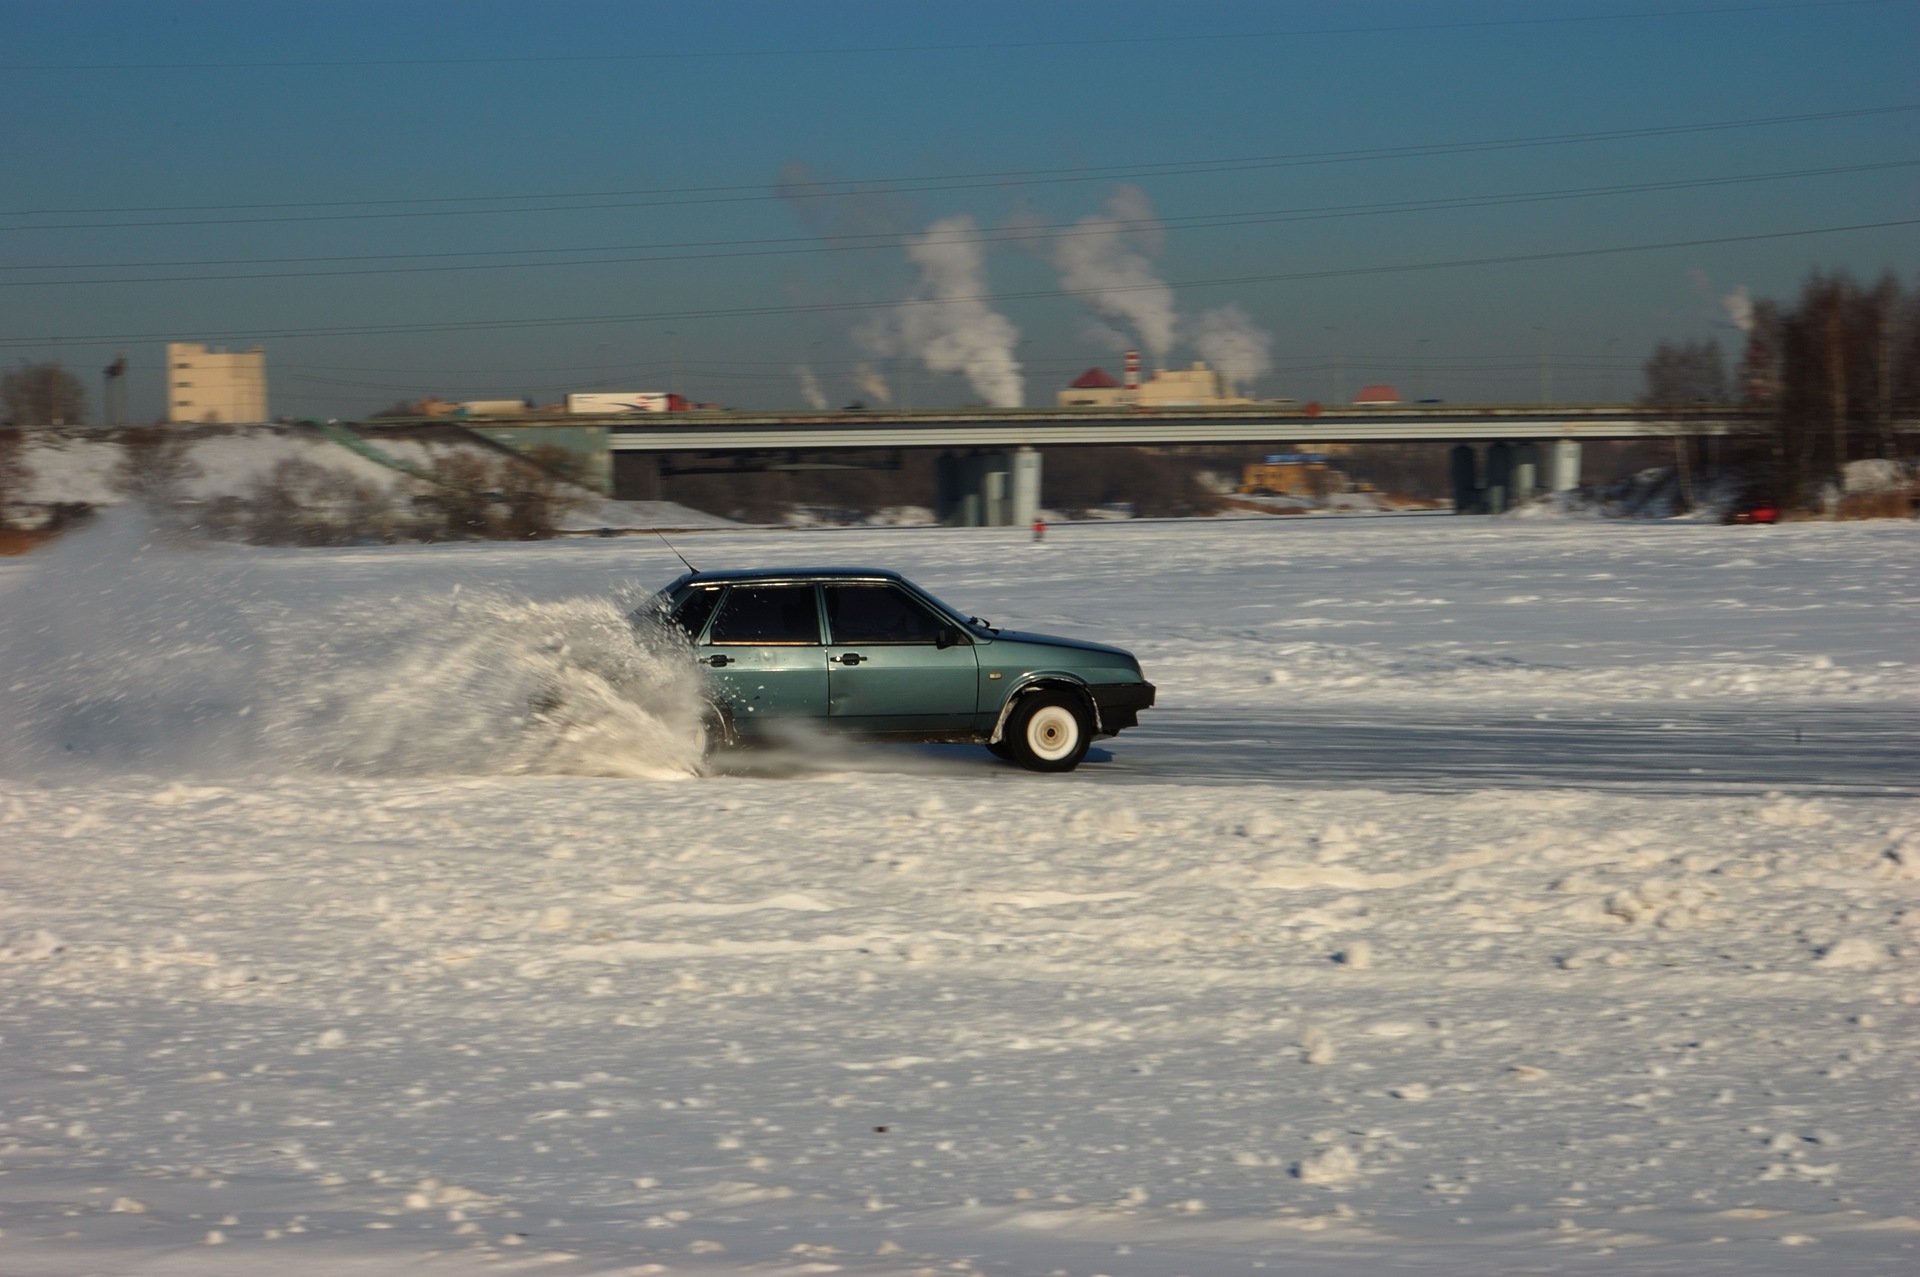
(1119, 704)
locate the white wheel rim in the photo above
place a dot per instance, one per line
(1052, 733)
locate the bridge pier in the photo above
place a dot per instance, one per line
(1563, 468)
(1526, 472)
(1512, 474)
(988, 489)
(1463, 469)
(1499, 490)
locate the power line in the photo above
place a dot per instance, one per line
(948, 182)
(797, 245)
(482, 325)
(1079, 42)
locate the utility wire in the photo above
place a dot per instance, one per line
(1079, 42)
(732, 312)
(795, 245)
(758, 193)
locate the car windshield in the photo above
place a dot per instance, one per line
(973, 623)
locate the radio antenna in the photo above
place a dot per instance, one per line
(676, 553)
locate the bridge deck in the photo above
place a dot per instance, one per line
(1039, 427)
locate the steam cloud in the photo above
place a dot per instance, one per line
(946, 322)
(1108, 260)
(845, 216)
(1739, 306)
(1226, 338)
(872, 384)
(810, 388)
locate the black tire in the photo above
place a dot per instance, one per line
(1000, 749)
(716, 736)
(1049, 732)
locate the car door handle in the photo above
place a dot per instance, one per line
(717, 660)
(851, 658)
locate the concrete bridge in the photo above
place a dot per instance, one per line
(990, 471)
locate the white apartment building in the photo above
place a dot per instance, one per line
(206, 384)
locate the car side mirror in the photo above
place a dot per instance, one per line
(946, 638)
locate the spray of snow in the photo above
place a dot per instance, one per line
(127, 652)
(946, 322)
(1229, 341)
(810, 388)
(1108, 260)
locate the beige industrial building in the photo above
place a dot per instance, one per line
(1195, 387)
(209, 385)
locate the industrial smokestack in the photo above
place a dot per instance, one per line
(1133, 378)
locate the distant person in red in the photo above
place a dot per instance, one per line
(1039, 529)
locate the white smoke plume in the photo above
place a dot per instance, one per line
(1227, 339)
(810, 388)
(946, 322)
(1739, 307)
(842, 215)
(1108, 260)
(872, 384)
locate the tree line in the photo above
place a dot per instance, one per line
(1827, 374)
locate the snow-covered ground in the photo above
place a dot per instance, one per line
(321, 954)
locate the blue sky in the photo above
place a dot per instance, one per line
(479, 178)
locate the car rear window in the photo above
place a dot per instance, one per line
(767, 614)
(877, 614)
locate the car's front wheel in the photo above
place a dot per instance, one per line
(1049, 732)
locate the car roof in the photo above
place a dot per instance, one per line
(792, 574)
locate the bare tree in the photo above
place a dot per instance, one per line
(301, 503)
(1835, 367)
(1685, 372)
(154, 462)
(466, 488)
(1884, 320)
(15, 475)
(1760, 362)
(43, 394)
(537, 492)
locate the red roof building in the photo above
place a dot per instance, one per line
(1377, 394)
(1093, 379)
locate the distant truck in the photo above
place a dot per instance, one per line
(1290, 474)
(607, 403)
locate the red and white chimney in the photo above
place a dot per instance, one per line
(1133, 378)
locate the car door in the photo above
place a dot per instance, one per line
(893, 664)
(764, 651)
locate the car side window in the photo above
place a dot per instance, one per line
(694, 611)
(767, 614)
(879, 614)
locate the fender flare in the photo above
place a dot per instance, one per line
(1041, 683)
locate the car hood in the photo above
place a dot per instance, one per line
(1051, 640)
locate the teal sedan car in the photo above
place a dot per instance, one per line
(865, 651)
